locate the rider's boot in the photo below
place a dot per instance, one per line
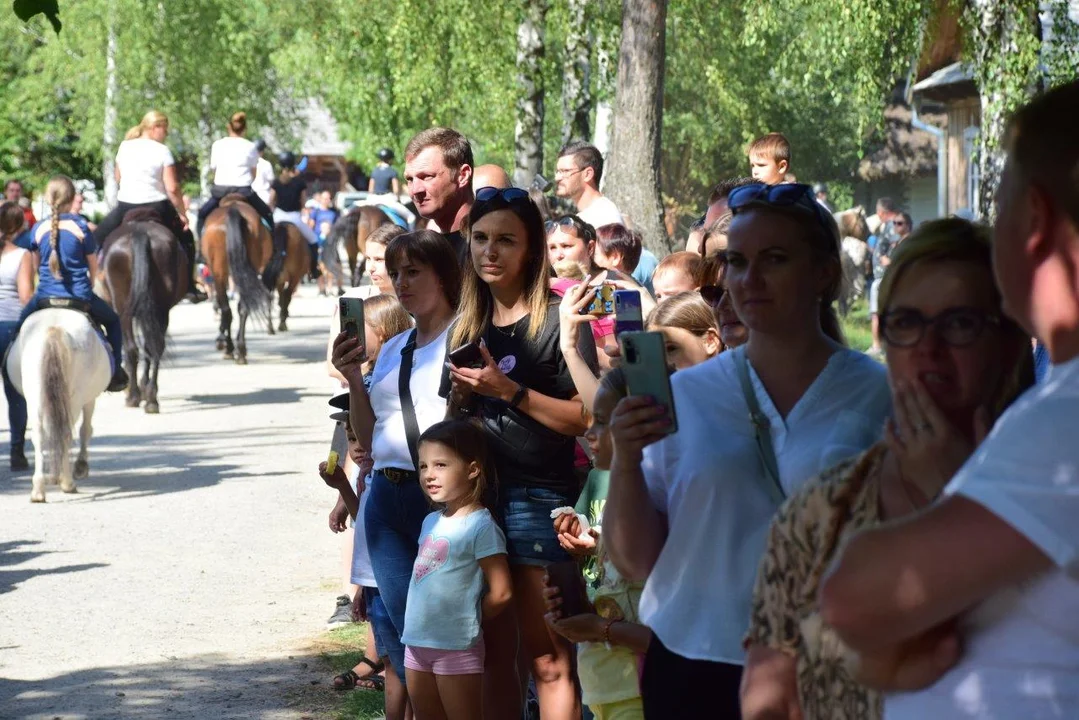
(187, 242)
(119, 380)
(18, 458)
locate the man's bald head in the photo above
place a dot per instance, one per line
(490, 176)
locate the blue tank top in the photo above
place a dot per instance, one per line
(75, 244)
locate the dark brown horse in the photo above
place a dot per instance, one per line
(235, 243)
(285, 272)
(146, 274)
(353, 228)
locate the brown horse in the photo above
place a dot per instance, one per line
(236, 243)
(354, 227)
(146, 274)
(285, 272)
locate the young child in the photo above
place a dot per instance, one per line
(689, 329)
(678, 272)
(770, 159)
(612, 642)
(461, 550)
(68, 266)
(322, 219)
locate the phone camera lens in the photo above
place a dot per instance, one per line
(631, 353)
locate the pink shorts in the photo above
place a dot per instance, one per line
(446, 662)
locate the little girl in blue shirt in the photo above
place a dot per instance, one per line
(68, 264)
(462, 550)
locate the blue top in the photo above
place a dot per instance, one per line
(75, 243)
(323, 217)
(646, 268)
(445, 595)
(1042, 363)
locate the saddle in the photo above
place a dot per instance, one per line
(63, 303)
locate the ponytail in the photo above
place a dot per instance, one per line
(55, 268)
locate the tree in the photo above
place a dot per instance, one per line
(576, 66)
(633, 164)
(528, 135)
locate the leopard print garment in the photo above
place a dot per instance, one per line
(802, 542)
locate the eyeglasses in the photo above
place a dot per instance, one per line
(564, 223)
(511, 194)
(787, 195)
(958, 327)
(567, 173)
(581, 229)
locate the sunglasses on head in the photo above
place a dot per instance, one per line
(565, 223)
(511, 194)
(787, 195)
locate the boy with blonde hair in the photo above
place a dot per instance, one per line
(770, 159)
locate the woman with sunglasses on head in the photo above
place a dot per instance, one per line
(954, 364)
(525, 399)
(690, 511)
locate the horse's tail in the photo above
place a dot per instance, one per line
(142, 303)
(277, 257)
(56, 417)
(253, 294)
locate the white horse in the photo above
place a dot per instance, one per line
(60, 365)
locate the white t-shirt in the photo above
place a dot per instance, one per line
(1021, 654)
(601, 212)
(389, 446)
(233, 160)
(264, 178)
(709, 480)
(142, 164)
(363, 573)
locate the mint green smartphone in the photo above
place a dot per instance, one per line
(644, 363)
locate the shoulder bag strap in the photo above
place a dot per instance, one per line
(763, 429)
(408, 409)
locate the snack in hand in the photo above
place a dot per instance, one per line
(331, 462)
(567, 510)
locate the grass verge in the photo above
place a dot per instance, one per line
(340, 650)
(857, 327)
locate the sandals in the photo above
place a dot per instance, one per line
(350, 680)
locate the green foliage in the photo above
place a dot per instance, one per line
(857, 327)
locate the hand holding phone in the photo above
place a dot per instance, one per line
(350, 311)
(468, 356)
(627, 312)
(644, 363)
(602, 302)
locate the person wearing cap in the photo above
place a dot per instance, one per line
(820, 191)
(263, 173)
(384, 178)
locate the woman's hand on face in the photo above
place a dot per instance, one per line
(930, 450)
(570, 319)
(347, 358)
(488, 380)
(636, 423)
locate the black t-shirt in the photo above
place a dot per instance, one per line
(383, 175)
(288, 194)
(460, 244)
(526, 453)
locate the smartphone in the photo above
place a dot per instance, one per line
(566, 576)
(339, 442)
(468, 356)
(627, 312)
(351, 314)
(644, 362)
(541, 183)
(602, 301)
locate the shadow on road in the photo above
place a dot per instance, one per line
(209, 686)
(11, 553)
(300, 346)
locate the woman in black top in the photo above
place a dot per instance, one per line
(526, 400)
(288, 193)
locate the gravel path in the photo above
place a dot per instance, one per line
(186, 576)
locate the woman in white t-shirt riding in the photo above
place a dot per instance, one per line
(427, 277)
(689, 512)
(234, 160)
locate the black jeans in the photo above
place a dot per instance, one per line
(165, 210)
(217, 192)
(677, 687)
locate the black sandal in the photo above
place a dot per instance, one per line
(350, 680)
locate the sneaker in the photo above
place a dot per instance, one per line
(18, 459)
(343, 614)
(119, 381)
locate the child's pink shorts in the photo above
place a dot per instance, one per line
(446, 662)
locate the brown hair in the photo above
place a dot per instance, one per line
(59, 193)
(149, 121)
(723, 189)
(384, 234)
(386, 316)
(620, 239)
(12, 220)
(468, 442)
(426, 247)
(773, 146)
(719, 228)
(685, 311)
(1044, 148)
(684, 262)
(456, 150)
(238, 123)
(585, 155)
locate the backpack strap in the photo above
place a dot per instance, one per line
(762, 427)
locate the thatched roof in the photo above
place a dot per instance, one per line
(899, 150)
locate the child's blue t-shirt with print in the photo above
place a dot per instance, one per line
(445, 594)
(76, 243)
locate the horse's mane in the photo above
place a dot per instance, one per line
(852, 223)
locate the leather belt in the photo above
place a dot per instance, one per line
(398, 476)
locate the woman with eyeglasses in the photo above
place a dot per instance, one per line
(954, 364)
(689, 512)
(526, 401)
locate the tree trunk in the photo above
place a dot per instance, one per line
(633, 164)
(528, 136)
(108, 166)
(207, 137)
(576, 99)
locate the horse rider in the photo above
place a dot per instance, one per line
(263, 174)
(234, 160)
(67, 252)
(384, 188)
(147, 176)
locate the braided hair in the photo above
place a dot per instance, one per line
(59, 194)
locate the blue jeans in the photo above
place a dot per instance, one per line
(526, 520)
(102, 313)
(16, 403)
(393, 520)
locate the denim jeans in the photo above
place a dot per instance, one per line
(16, 403)
(102, 313)
(393, 520)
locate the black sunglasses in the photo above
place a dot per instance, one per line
(511, 194)
(958, 327)
(787, 195)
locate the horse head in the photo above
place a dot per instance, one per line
(852, 223)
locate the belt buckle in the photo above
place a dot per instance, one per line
(395, 475)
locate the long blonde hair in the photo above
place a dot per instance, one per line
(150, 120)
(59, 194)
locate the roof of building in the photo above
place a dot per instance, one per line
(317, 131)
(951, 82)
(900, 150)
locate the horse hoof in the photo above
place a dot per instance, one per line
(220, 344)
(81, 472)
(282, 327)
(228, 355)
(133, 402)
(37, 498)
(271, 330)
(152, 408)
(241, 360)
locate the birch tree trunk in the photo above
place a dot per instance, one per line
(528, 135)
(576, 99)
(108, 135)
(633, 164)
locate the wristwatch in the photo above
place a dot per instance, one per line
(518, 396)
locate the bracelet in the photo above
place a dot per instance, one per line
(607, 631)
(518, 396)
